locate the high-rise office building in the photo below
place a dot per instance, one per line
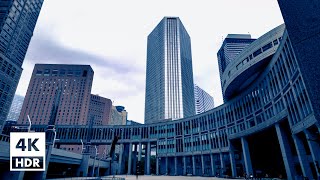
(203, 101)
(74, 82)
(15, 108)
(100, 110)
(231, 47)
(169, 78)
(17, 22)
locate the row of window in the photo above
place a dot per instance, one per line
(61, 72)
(7, 68)
(255, 54)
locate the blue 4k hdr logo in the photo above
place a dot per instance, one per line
(27, 151)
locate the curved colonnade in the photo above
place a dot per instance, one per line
(217, 142)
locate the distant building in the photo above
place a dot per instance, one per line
(104, 113)
(15, 108)
(169, 77)
(100, 110)
(10, 123)
(231, 47)
(17, 22)
(203, 101)
(118, 116)
(133, 123)
(75, 82)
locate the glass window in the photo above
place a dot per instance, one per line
(62, 72)
(54, 72)
(38, 73)
(257, 52)
(46, 72)
(266, 47)
(70, 73)
(84, 74)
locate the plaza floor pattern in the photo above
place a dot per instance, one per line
(132, 177)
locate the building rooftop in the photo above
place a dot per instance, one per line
(239, 36)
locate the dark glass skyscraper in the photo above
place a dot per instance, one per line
(15, 108)
(203, 101)
(231, 47)
(169, 79)
(17, 22)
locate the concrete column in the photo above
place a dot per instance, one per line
(202, 164)
(48, 156)
(233, 164)
(84, 165)
(157, 165)
(315, 151)
(140, 149)
(130, 159)
(302, 156)
(134, 159)
(213, 165)
(246, 156)
(232, 161)
(175, 166)
(94, 166)
(120, 159)
(222, 164)
(286, 152)
(167, 165)
(193, 166)
(184, 166)
(148, 158)
(98, 169)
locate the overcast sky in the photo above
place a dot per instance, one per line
(111, 36)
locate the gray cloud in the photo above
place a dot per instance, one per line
(45, 50)
(110, 73)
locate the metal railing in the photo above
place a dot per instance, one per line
(4, 138)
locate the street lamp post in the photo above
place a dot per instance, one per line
(94, 160)
(82, 147)
(103, 154)
(29, 127)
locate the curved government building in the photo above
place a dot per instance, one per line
(267, 126)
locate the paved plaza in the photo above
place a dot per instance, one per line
(169, 178)
(132, 177)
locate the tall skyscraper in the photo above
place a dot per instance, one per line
(15, 108)
(75, 82)
(17, 22)
(231, 47)
(203, 101)
(169, 78)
